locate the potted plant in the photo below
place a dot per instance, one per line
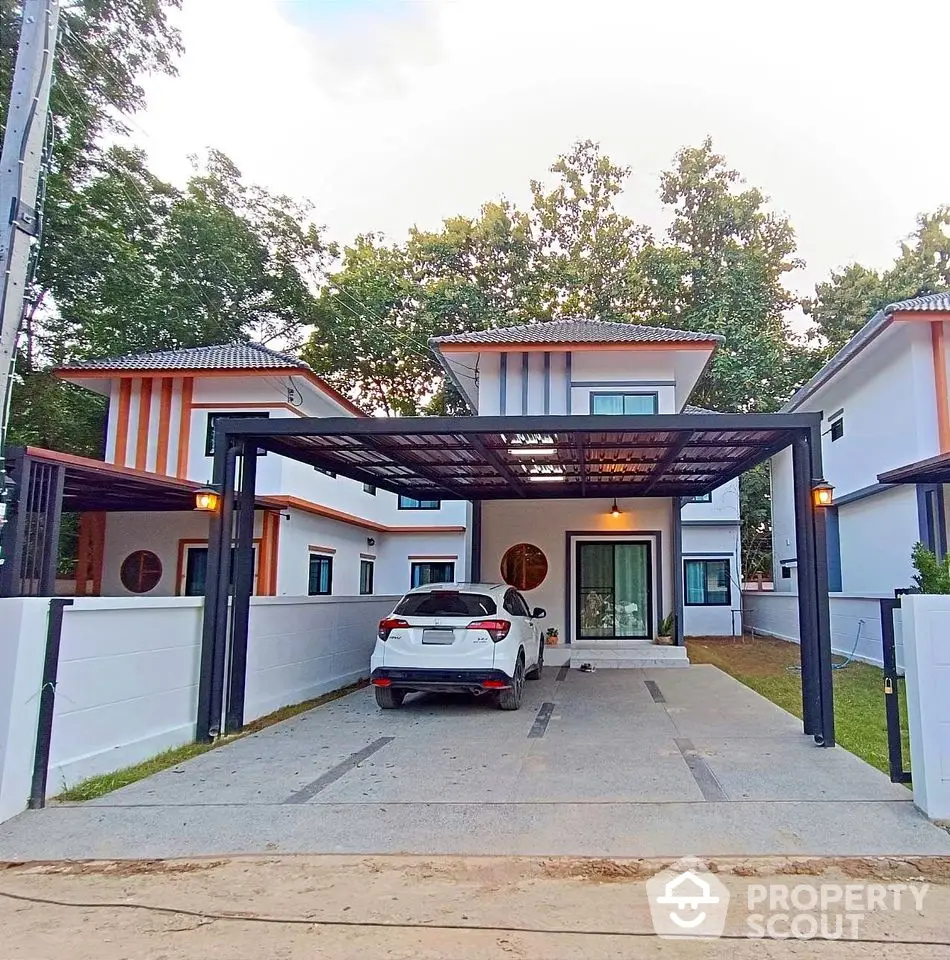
(667, 625)
(551, 638)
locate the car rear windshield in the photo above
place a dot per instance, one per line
(446, 603)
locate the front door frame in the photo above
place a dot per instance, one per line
(653, 539)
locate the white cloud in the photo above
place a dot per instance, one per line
(389, 113)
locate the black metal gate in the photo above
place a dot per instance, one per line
(892, 683)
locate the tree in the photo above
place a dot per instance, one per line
(139, 265)
(722, 271)
(570, 254)
(845, 302)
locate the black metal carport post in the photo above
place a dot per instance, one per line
(825, 668)
(807, 600)
(217, 583)
(814, 620)
(243, 584)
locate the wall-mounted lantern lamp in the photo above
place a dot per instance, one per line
(615, 511)
(822, 493)
(207, 500)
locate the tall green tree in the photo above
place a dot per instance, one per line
(849, 298)
(722, 269)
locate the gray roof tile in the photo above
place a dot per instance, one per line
(225, 356)
(932, 301)
(577, 331)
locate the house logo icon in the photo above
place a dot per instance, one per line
(686, 900)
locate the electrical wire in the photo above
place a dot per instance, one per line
(404, 925)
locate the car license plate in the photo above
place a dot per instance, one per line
(432, 635)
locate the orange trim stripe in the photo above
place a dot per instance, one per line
(122, 424)
(145, 416)
(184, 431)
(274, 544)
(939, 345)
(164, 425)
(281, 501)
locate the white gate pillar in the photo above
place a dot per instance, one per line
(926, 635)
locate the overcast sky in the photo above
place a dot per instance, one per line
(387, 113)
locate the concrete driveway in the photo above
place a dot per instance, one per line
(623, 763)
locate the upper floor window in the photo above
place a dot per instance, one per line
(700, 498)
(326, 473)
(623, 403)
(408, 503)
(837, 429)
(369, 488)
(214, 417)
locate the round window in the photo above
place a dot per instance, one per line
(140, 571)
(524, 566)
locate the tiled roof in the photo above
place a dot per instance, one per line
(932, 301)
(689, 408)
(577, 331)
(225, 356)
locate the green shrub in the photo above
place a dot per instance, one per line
(933, 575)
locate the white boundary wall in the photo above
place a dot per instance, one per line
(776, 614)
(127, 686)
(927, 621)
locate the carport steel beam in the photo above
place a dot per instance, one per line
(801, 428)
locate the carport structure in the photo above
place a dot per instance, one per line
(482, 458)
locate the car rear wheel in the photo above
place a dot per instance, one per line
(389, 699)
(510, 697)
(535, 672)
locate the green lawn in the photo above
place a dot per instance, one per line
(107, 782)
(769, 667)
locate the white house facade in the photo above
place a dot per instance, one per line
(884, 403)
(605, 567)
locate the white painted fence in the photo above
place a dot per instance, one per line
(855, 622)
(127, 685)
(927, 629)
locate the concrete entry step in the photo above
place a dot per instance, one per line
(637, 655)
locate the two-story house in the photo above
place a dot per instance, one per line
(884, 402)
(603, 569)
(315, 533)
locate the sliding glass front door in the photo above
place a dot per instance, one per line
(614, 590)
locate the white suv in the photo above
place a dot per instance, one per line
(474, 637)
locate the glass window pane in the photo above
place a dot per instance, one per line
(631, 599)
(695, 592)
(321, 575)
(608, 403)
(639, 403)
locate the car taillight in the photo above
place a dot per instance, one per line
(497, 629)
(387, 625)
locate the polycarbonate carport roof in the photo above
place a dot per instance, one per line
(504, 458)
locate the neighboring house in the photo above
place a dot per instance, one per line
(602, 575)
(314, 533)
(885, 407)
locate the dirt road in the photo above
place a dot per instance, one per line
(429, 907)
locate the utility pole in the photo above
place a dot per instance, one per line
(20, 163)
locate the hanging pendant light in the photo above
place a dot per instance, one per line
(615, 511)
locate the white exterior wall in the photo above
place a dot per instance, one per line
(508, 522)
(301, 648)
(855, 622)
(888, 401)
(128, 676)
(877, 535)
(299, 531)
(670, 374)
